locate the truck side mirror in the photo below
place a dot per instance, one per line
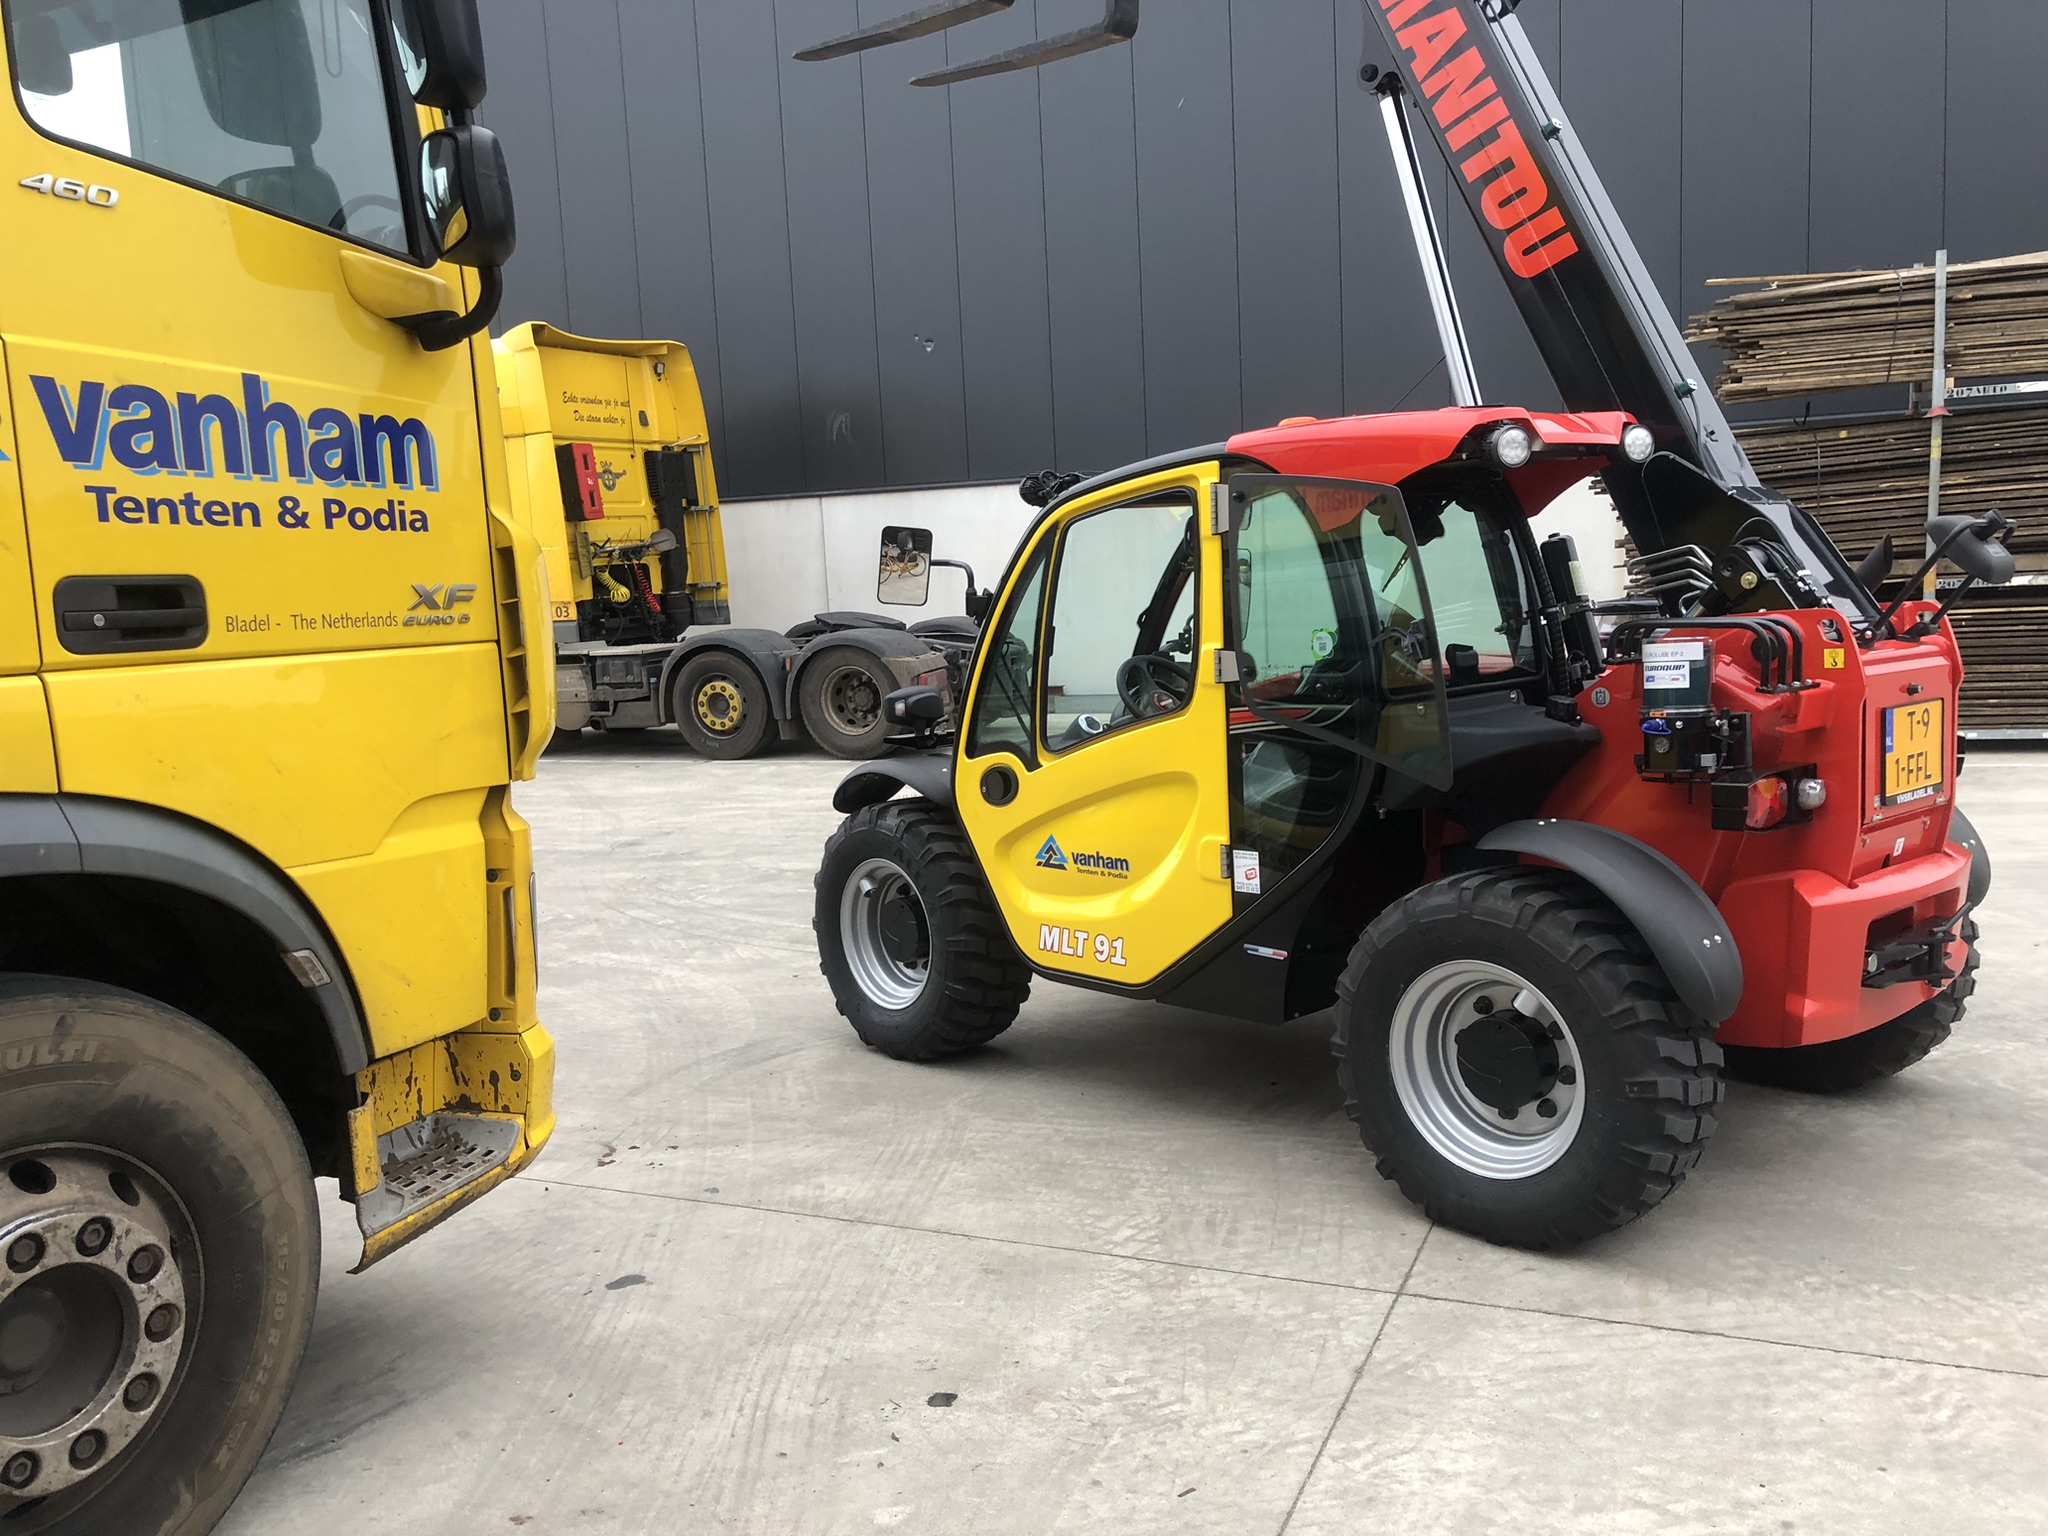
(904, 574)
(1972, 545)
(468, 196)
(441, 49)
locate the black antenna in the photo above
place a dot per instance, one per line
(1119, 24)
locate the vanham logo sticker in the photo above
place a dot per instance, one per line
(1050, 857)
(1109, 866)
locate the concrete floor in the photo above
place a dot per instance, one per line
(1141, 1258)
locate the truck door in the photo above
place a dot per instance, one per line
(262, 560)
(1092, 775)
(27, 761)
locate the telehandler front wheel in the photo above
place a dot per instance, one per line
(1517, 1060)
(909, 937)
(159, 1259)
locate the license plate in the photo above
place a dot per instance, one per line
(1914, 751)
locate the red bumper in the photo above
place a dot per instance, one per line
(1803, 937)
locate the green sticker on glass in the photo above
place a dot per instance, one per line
(1321, 643)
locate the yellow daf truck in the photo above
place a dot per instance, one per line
(272, 653)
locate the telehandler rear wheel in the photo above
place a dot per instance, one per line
(1856, 1061)
(1517, 1060)
(909, 936)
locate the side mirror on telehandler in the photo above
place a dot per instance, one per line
(903, 576)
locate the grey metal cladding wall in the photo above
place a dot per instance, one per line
(1153, 246)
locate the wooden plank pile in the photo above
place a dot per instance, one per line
(1797, 336)
(1841, 330)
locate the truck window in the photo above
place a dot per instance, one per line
(280, 103)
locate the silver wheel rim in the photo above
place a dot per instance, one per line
(853, 703)
(94, 1313)
(1440, 1098)
(885, 933)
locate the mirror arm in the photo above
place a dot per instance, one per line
(1883, 627)
(1928, 623)
(442, 329)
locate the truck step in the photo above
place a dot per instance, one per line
(430, 1159)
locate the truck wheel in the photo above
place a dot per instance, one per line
(1836, 1066)
(1517, 1060)
(909, 936)
(719, 705)
(841, 695)
(159, 1259)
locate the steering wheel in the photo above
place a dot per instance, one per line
(1153, 685)
(356, 205)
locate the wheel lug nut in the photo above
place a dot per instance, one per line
(86, 1449)
(1482, 1006)
(143, 1267)
(161, 1323)
(1567, 1074)
(25, 1253)
(94, 1236)
(1554, 1030)
(1509, 1114)
(140, 1393)
(20, 1470)
(1547, 1108)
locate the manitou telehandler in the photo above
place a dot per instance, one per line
(1311, 717)
(272, 655)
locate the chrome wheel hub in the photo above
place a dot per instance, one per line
(94, 1315)
(1486, 1069)
(885, 934)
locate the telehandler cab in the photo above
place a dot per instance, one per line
(1311, 717)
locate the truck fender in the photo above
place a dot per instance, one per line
(1965, 836)
(872, 783)
(83, 834)
(1683, 928)
(763, 649)
(886, 645)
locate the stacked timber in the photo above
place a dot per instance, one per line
(1843, 330)
(1798, 336)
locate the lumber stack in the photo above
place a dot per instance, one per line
(1807, 334)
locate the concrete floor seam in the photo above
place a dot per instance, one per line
(1357, 1376)
(1396, 1292)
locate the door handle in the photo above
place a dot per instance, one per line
(102, 615)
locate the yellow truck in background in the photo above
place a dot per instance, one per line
(611, 470)
(273, 651)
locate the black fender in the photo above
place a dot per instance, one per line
(1683, 928)
(767, 652)
(1965, 836)
(83, 834)
(928, 774)
(898, 649)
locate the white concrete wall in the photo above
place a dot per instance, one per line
(790, 558)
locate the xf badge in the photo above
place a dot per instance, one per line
(439, 601)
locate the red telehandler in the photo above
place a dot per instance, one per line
(1311, 719)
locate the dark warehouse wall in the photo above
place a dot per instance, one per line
(1151, 246)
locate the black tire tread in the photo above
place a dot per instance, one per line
(987, 981)
(1582, 929)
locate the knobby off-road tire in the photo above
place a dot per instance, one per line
(117, 1110)
(1856, 1061)
(1635, 1073)
(719, 705)
(909, 937)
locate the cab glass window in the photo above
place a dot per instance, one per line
(1009, 671)
(1120, 643)
(1479, 605)
(280, 103)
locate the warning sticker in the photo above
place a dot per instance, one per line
(1244, 870)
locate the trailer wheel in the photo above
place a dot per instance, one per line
(159, 1259)
(841, 695)
(1517, 1060)
(720, 706)
(909, 937)
(1856, 1061)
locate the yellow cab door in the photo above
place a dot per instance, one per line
(28, 762)
(262, 568)
(1092, 775)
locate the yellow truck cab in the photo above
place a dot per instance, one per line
(272, 652)
(610, 460)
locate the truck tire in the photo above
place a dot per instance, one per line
(909, 937)
(1856, 1061)
(719, 704)
(1517, 1060)
(159, 1260)
(841, 695)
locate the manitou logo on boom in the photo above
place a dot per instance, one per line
(1469, 109)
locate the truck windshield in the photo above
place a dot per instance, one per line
(280, 103)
